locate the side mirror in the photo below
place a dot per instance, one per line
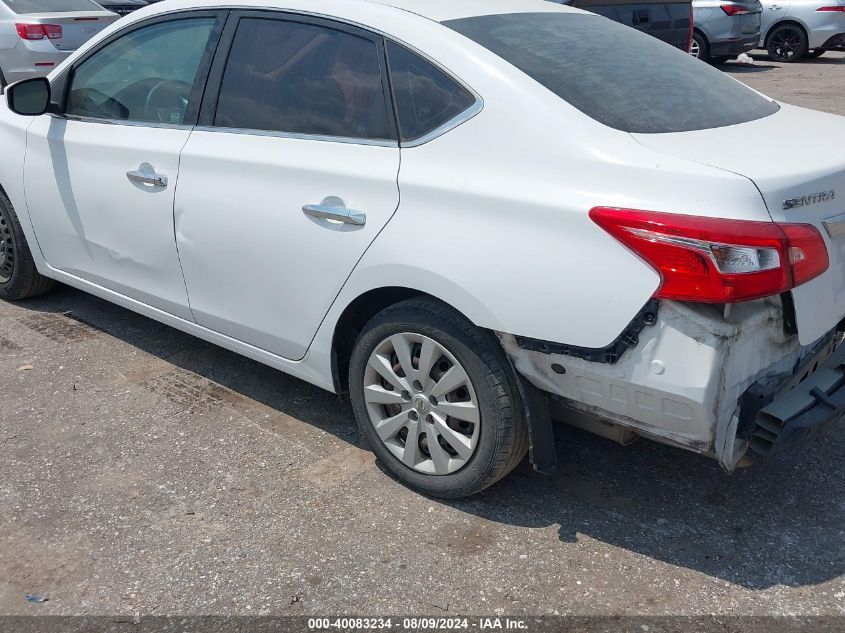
(30, 97)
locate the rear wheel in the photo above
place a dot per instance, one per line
(437, 400)
(787, 43)
(19, 278)
(699, 47)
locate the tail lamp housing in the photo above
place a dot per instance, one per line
(714, 260)
(35, 32)
(735, 9)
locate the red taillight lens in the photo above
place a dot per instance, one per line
(838, 9)
(711, 260)
(53, 31)
(807, 252)
(39, 31)
(30, 31)
(735, 9)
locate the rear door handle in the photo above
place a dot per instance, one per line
(146, 175)
(333, 208)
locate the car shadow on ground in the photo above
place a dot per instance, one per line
(780, 522)
(744, 69)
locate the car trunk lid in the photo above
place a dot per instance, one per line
(795, 159)
(77, 27)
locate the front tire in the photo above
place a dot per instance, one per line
(787, 43)
(19, 279)
(437, 399)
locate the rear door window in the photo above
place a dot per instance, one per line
(303, 78)
(426, 97)
(615, 74)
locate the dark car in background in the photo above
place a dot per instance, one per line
(667, 20)
(122, 7)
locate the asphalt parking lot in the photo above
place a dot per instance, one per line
(145, 472)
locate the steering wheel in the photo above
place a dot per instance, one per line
(177, 100)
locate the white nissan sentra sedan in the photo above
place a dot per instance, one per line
(459, 212)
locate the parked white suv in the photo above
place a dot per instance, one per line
(457, 212)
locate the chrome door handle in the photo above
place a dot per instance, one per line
(146, 175)
(334, 209)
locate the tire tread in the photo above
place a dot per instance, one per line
(511, 443)
(26, 281)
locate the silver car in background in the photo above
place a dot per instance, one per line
(722, 30)
(793, 29)
(37, 35)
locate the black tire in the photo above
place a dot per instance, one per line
(816, 53)
(19, 279)
(503, 433)
(787, 43)
(703, 46)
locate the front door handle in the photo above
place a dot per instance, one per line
(333, 208)
(146, 175)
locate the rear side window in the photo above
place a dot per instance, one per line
(51, 6)
(615, 74)
(426, 97)
(303, 79)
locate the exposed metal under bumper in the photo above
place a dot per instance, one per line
(681, 384)
(803, 411)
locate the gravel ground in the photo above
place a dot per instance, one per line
(143, 471)
(815, 83)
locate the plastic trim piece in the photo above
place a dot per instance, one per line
(611, 354)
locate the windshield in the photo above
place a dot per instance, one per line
(615, 74)
(51, 6)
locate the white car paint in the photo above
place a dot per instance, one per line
(491, 218)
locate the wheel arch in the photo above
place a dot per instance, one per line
(356, 315)
(782, 22)
(698, 31)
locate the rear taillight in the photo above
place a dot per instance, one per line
(838, 9)
(711, 260)
(735, 9)
(38, 31)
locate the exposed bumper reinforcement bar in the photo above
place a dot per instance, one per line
(795, 414)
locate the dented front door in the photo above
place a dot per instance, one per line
(100, 196)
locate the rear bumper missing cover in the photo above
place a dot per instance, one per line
(781, 417)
